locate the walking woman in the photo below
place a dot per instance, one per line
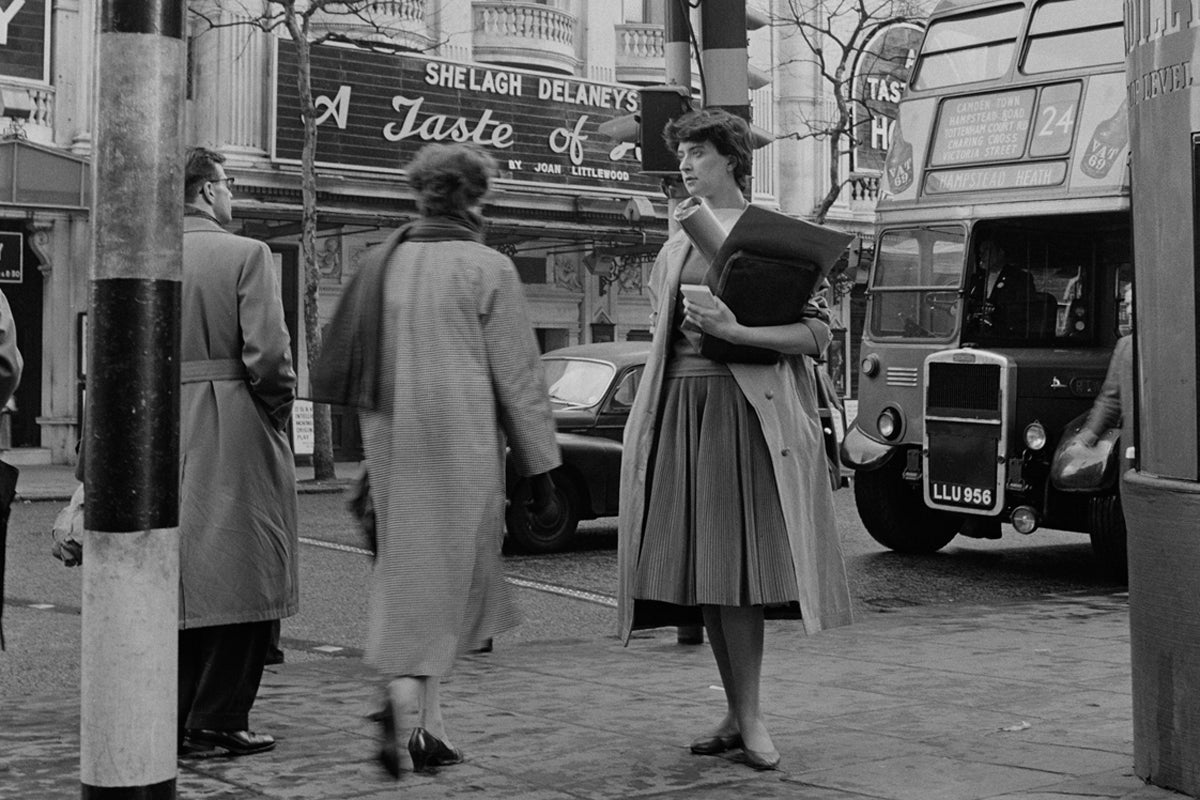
(459, 374)
(726, 506)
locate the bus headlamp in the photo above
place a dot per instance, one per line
(1035, 436)
(870, 366)
(1024, 519)
(888, 423)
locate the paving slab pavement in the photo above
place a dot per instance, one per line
(1014, 701)
(45, 482)
(1017, 701)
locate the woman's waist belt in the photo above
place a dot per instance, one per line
(213, 369)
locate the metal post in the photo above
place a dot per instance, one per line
(724, 59)
(131, 566)
(677, 50)
(1161, 496)
(726, 68)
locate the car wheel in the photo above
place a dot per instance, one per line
(1106, 528)
(895, 514)
(530, 537)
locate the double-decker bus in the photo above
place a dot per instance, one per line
(1002, 257)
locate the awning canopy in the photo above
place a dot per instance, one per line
(36, 176)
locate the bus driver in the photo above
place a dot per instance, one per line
(1001, 294)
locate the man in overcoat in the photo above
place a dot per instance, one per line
(10, 376)
(238, 551)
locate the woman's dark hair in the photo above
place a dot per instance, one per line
(450, 177)
(729, 134)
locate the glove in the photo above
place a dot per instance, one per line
(67, 532)
(543, 503)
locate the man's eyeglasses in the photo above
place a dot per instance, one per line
(227, 181)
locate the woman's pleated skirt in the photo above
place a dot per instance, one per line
(715, 532)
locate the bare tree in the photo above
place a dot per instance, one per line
(307, 23)
(835, 33)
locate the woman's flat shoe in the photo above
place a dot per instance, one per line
(715, 745)
(761, 761)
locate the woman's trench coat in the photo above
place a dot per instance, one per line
(459, 374)
(237, 515)
(784, 398)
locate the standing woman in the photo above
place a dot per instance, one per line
(726, 507)
(458, 374)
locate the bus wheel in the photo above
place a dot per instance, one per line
(895, 514)
(530, 537)
(1106, 527)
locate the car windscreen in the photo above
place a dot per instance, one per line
(577, 382)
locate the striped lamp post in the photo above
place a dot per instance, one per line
(129, 652)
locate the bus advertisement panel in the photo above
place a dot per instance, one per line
(998, 291)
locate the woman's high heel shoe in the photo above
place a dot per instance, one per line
(428, 751)
(389, 752)
(399, 707)
(422, 748)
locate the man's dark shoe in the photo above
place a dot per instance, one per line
(190, 749)
(238, 743)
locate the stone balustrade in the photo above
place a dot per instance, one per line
(526, 35)
(400, 22)
(640, 57)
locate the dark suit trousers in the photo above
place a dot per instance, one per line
(220, 669)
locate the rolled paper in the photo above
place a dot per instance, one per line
(701, 226)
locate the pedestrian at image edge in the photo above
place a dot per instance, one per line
(10, 356)
(725, 463)
(1115, 396)
(432, 340)
(10, 378)
(238, 510)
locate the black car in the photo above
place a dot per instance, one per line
(592, 387)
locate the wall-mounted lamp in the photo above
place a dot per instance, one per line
(17, 105)
(604, 266)
(639, 208)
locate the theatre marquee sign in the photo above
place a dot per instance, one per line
(375, 110)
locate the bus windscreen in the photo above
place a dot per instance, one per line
(969, 48)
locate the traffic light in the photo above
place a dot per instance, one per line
(660, 105)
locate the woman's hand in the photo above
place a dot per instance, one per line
(718, 320)
(715, 320)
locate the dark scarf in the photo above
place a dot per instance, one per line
(347, 372)
(458, 226)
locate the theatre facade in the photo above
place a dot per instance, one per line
(531, 83)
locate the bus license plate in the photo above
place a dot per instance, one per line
(960, 495)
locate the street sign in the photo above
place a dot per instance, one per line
(12, 257)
